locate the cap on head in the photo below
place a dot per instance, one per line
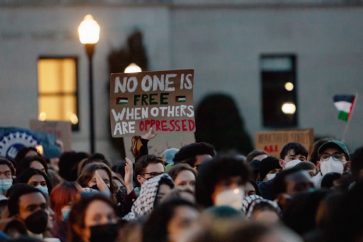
(333, 143)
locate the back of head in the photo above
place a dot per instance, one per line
(328, 179)
(300, 214)
(357, 164)
(279, 182)
(216, 170)
(187, 154)
(68, 164)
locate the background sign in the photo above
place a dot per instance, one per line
(62, 130)
(273, 141)
(162, 100)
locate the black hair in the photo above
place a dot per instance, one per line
(119, 168)
(68, 164)
(25, 163)
(156, 227)
(345, 223)
(28, 173)
(265, 206)
(267, 165)
(251, 156)
(23, 152)
(144, 161)
(4, 161)
(329, 178)
(255, 186)
(187, 154)
(300, 214)
(305, 165)
(14, 194)
(216, 170)
(94, 158)
(279, 182)
(357, 162)
(298, 148)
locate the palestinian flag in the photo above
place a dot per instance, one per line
(180, 99)
(122, 100)
(344, 104)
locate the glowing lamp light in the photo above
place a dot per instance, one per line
(132, 68)
(288, 108)
(89, 30)
(289, 86)
(42, 116)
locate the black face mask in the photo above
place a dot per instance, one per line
(95, 187)
(37, 222)
(104, 233)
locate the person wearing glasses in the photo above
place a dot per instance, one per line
(147, 167)
(333, 157)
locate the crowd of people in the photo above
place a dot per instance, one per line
(186, 194)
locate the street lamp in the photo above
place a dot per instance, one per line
(132, 68)
(89, 33)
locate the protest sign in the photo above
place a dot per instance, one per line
(273, 141)
(62, 130)
(162, 100)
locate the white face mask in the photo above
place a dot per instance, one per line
(270, 176)
(291, 164)
(331, 165)
(5, 184)
(43, 189)
(230, 197)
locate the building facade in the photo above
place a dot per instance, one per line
(226, 42)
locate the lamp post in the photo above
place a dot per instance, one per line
(89, 33)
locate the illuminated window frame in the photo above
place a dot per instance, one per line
(278, 88)
(75, 127)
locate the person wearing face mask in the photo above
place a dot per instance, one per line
(29, 206)
(269, 167)
(98, 177)
(93, 219)
(221, 181)
(37, 179)
(333, 157)
(292, 154)
(7, 172)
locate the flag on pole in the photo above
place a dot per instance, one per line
(344, 104)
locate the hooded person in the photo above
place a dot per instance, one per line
(151, 193)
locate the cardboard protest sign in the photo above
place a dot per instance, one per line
(162, 100)
(273, 141)
(62, 130)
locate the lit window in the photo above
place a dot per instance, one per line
(57, 90)
(278, 79)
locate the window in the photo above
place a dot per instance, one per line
(58, 89)
(278, 76)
